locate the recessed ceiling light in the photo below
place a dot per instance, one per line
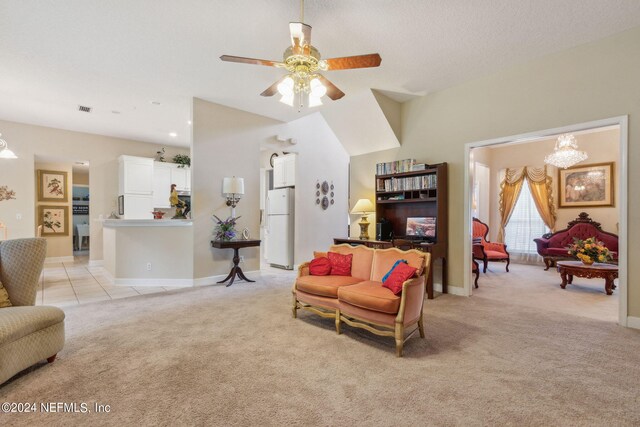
(189, 122)
(115, 112)
(156, 102)
(173, 134)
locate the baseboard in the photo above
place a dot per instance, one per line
(53, 259)
(452, 290)
(212, 280)
(154, 282)
(633, 322)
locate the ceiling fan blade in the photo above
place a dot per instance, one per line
(348, 62)
(332, 90)
(244, 60)
(300, 37)
(273, 89)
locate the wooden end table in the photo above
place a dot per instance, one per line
(236, 245)
(568, 269)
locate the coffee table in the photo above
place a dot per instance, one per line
(568, 269)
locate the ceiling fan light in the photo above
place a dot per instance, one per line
(5, 153)
(314, 101)
(287, 99)
(285, 87)
(317, 88)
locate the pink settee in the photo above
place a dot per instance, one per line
(553, 246)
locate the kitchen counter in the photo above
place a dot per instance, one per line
(149, 252)
(147, 223)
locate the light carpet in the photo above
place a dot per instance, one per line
(234, 356)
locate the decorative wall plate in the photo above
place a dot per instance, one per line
(317, 201)
(331, 201)
(332, 187)
(318, 185)
(318, 193)
(325, 203)
(332, 194)
(325, 187)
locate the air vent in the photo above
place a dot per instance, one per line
(84, 109)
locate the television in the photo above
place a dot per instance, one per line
(421, 227)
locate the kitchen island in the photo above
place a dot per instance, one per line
(149, 252)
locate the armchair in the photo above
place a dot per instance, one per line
(27, 334)
(485, 250)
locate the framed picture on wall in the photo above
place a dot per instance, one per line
(52, 186)
(54, 220)
(586, 186)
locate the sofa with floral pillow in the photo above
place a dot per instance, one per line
(380, 290)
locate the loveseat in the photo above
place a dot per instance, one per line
(552, 247)
(360, 300)
(27, 334)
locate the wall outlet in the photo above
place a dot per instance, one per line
(148, 266)
(241, 258)
(19, 216)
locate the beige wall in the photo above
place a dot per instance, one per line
(590, 82)
(29, 141)
(57, 246)
(601, 147)
(227, 142)
(80, 178)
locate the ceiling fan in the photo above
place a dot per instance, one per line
(302, 61)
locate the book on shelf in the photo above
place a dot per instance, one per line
(423, 182)
(399, 166)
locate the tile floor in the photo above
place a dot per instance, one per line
(72, 283)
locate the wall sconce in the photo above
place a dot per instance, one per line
(233, 190)
(5, 153)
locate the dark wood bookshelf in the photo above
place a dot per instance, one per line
(433, 203)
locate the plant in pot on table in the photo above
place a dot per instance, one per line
(225, 229)
(589, 251)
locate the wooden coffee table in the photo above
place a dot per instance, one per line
(568, 269)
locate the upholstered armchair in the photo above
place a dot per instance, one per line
(28, 334)
(485, 250)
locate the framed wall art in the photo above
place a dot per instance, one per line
(54, 220)
(586, 186)
(52, 186)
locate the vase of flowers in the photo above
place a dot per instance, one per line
(589, 251)
(225, 229)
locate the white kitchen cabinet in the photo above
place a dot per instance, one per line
(137, 207)
(136, 175)
(181, 177)
(161, 185)
(284, 171)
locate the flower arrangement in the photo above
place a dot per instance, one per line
(589, 250)
(225, 230)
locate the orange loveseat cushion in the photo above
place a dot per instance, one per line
(326, 286)
(362, 259)
(495, 254)
(384, 259)
(371, 296)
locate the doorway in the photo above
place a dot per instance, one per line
(477, 153)
(80, 207)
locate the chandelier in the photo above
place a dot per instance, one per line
(5, 153)
(565, 153)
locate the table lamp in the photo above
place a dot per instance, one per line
(363, 207)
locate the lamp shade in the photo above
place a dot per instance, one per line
(363, 206)
(233, 185)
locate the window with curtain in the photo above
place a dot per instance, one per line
(524, 225)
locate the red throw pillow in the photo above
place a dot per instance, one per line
(398, 276)
(320, 267)
(340, 264)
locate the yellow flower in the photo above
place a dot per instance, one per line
(601, 258)
(587, 246)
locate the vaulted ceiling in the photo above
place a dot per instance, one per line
(138, 63)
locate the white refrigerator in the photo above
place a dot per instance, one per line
(280, 226)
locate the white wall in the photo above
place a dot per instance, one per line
(227, 142)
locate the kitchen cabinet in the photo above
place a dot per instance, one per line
(284, 171)
(136, 175)
(181, 177)
(161, 185)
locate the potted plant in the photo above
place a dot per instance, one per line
(589, 251)
(225, 230)
(182, 160)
